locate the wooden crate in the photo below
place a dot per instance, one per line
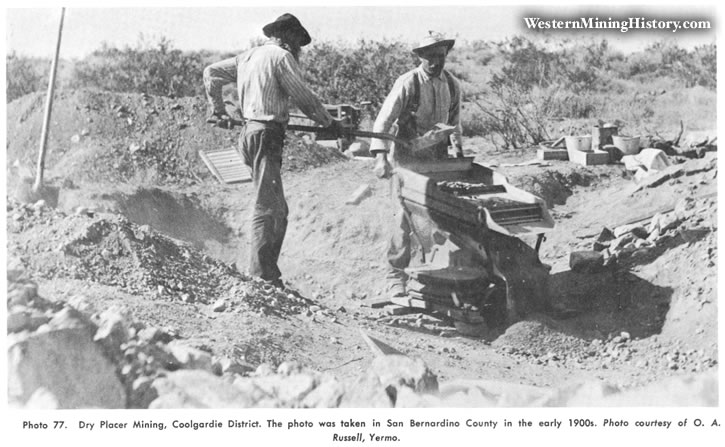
(595, 157)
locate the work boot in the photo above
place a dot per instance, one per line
(396, 284)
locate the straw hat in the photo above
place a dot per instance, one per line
(432, 40)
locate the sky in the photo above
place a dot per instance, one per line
(31, 26)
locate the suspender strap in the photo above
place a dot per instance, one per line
(415, 99)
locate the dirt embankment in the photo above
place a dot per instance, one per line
(108, 137)
(165, 253)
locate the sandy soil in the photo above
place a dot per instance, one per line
(655, 316)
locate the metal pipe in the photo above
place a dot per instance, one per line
(48, 108)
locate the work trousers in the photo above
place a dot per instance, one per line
(399, 247)
(261, 144)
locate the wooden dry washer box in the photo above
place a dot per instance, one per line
(226, 165)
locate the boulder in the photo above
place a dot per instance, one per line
(142, 393)
(328, 394)
(190, 357)
(366, 392)
(25, 319)
(289, 390)
(111, 333)
(67, 364)
(586, 261)
(225, 365)
(398, 370)
(636, 229)
(22, 293)
(197, 389)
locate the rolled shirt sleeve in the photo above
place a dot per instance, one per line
(216, 76)
(389, 112)
(290, 79)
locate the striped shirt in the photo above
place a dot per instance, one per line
(435, 105)
(267, 78)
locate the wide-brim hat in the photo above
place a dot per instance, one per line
(433, 40)
(287, 21)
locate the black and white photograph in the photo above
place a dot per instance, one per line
(325, 224)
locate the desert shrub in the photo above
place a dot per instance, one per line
(24, 75)
(666, 59)
(154, 69)
(365, 71)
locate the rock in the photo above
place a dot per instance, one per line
(328, 394)
(654, 235)
(605, 235)
(220, 305)
(22, 294)
(408, 398)
(636, 229)
(23, 319)
(625, 336)
(42, 399)
(265, 369)
(586, 261)
(287, 368)
(111, 333)
(70, 318)
(69, 365)
(582, 395)
(18, 320)
(289, 390)
(156, 356)
(82, 304)
(153, 335)
(399, 370)
(619, 243)
(366, 392)
(197, 389)
(190, 357)
(225, 365)
(142, 393)
(685, 208)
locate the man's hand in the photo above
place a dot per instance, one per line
(337, 128)
(382, 168)
(220, 119)
(459, 152)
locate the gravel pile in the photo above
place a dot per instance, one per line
(109, 249)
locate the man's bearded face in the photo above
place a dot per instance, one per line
(433, 60)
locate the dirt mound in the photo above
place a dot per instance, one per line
(110, 250)
(552, 185)
(125, 137)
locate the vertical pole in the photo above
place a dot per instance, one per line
(48, 107)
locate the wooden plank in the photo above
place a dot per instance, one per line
(376, 303)
(378, 347)
(409, 302)
(451, 164)
(394, 309)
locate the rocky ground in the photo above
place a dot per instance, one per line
(125, 274)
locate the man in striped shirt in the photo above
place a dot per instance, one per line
(267, 78)
(420, 99)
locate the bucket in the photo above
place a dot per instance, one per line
(628, 145)
(579, 143)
